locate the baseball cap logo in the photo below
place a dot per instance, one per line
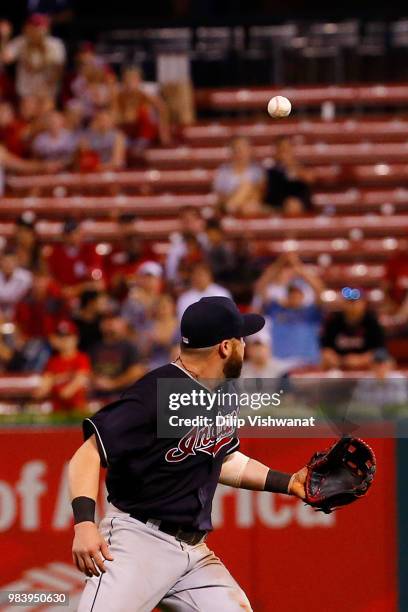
(185, 340)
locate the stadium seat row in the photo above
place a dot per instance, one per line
(350, 201)
(379, 129)
(197, 179)
(390, 95)
(310, 154)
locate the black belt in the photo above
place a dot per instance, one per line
(189, 536)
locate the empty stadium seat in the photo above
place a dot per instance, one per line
(376, 95)
(382, 129)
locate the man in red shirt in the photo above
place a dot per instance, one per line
(39, 313)
(73, 263)
(66, 376)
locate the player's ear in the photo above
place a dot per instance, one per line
(224, 348)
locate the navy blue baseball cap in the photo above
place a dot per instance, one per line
(214, 319)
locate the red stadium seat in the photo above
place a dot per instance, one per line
(308, 130)
(353, 228)
(309, 154)
(312, 96)
(166, 204)
(198, 180)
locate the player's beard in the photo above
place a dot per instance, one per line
(233, 365)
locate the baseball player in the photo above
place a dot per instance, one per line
(149, 550)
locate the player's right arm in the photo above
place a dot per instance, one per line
(89, 548)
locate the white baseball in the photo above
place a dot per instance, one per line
(279, 106)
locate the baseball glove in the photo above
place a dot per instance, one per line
(339, 475)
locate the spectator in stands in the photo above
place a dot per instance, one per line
(29, 108)
(142, 116)
(31, 120)
(232, 263)
(92, 306)
(273, 284)
(15, 282)
(191, 225)
(94, 85)
(74, 264)
(115, 359)
(6, 86)
(386, 388)
(201, 285)
(20, 353)
(28, 123)
(126, 256)
(74, 118)
(46, 104)
(40, 311)
(40, 58)
(56, 142)
(194, 253)
(219, 254)
(6, 30)
(162, 333)
(288, 182)
(60, 12)
(10, 129)
(66, 376)
(351, 335)
(245, 271)
(106, 142)
(143, 296)
(294, 315)
(259, 362)
(384, 366)
(26, 241)
(240, 183)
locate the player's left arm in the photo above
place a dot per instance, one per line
(243, 472)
